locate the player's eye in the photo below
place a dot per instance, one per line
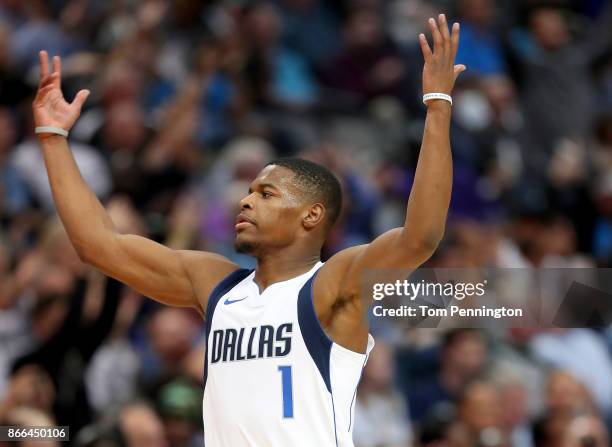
(266, 195)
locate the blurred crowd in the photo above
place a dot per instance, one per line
(190, 99)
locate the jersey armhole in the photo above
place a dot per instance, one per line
(317, 342)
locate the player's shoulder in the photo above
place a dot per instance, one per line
(196, 258)
(204, 263)
(206, 270)
(332, 274)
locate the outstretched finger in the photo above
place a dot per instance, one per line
(80, 99)
(437, 37)
(43, 58)
(49, 79)
(458, 69)
(425, 47)
(57, 69)
(443, 26)
(455, 39)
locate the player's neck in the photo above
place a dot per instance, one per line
(281, 267)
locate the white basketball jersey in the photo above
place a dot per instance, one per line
(273, 377)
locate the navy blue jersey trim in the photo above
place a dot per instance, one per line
(317, 342)
(221, 289)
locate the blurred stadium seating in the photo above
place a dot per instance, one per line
(190, 98)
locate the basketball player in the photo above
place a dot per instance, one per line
(286, 343)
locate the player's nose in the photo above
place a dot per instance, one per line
(246, 202)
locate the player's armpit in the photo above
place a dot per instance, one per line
(339, 302)
(340, 313)
(173, 277)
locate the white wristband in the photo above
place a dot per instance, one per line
(430, 96)
(50, 129)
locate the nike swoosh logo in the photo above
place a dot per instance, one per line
(228, 301)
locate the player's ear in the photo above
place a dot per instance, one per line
(314, 216)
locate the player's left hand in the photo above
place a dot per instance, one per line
(440, 71)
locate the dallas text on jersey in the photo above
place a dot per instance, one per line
(230, 345)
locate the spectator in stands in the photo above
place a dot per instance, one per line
(515, 416)
(190, 98)
(172, 333)
(585, 430)
(277, 75)
(557, 87)
(481, 48)
(368, 65)
(27, 417)
(480, 415)
(14, 195)
(380, 414)
(584, 354)
(180, 407)
(141, 426)
(30, 387)
(310, 27)
(463, 356)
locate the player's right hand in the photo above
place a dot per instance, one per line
(49, 107)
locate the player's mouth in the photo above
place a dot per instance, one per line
(243, 222)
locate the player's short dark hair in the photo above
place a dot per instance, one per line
(318, 182)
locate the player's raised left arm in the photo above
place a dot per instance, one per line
(430, 195)
(409, 246)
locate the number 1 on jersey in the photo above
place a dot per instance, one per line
(287, 382)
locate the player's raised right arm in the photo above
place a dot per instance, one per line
(169, 276)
